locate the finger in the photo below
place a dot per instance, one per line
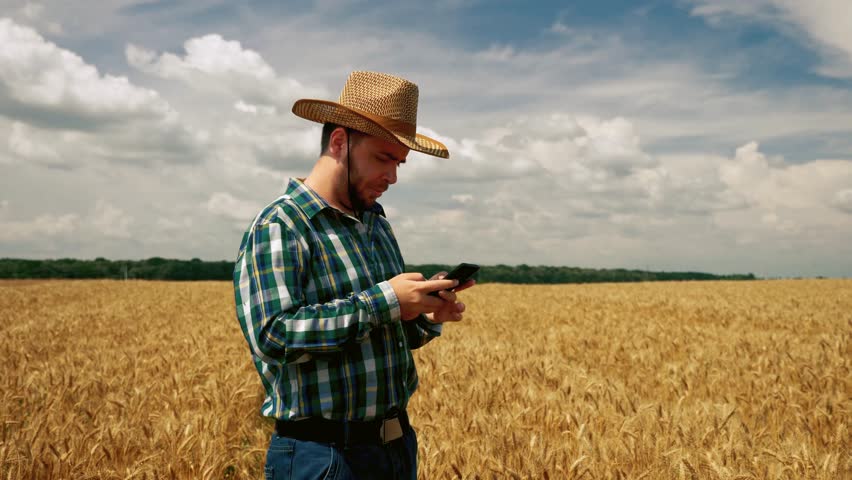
(438, 276)
(434, 285)
(431, 304)
(447, 295)
(460, 307)
(451, 317)
(465, 285)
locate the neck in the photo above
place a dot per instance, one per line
(328, 179)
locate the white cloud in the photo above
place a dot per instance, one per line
(226, 205)
(746, 170)
(110, 220)
(22, 144)
(280, 149)
(105, 220)
(776, 185)
(463, 198)
(39, 228)
(575, 196)
(584, 149)
(65, 113)
(241, 106)
(34, 14)
(37, 77)
(224, 66)
(843, 200)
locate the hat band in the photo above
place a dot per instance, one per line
(396, 126)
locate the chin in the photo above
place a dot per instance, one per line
(365, 204)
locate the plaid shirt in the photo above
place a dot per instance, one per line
(321, 320)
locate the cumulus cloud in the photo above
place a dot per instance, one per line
(281, 149)
(35, 14)
(22, 144)
(591, 184)
(226, 205)
(224, 66)
(65, 112)
(45, 84)
(41, 227)
(789, 206)
(105, 219)
(774, 184)
(583, 149)
(843, 200)
(110, 220)
(241, 106)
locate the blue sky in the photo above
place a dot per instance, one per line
(671, 135)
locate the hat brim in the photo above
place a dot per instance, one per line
(324, 111)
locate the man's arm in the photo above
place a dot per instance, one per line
(277, 323)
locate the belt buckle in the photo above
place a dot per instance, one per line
(390, 430)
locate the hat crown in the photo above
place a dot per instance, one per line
(381, 94)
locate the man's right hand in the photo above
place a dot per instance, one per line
(412, 291)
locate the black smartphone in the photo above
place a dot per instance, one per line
(463, 272)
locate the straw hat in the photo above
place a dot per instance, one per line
(377, 104)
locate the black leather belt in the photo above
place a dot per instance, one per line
(320, 430)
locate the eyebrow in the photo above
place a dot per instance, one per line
(392, 157)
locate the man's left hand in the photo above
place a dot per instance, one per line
(451, 311)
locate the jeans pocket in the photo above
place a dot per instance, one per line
(279, 459)
(316, 461)
(289, 459)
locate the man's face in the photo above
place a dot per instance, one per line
(374, 165)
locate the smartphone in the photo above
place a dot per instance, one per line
(463, 272)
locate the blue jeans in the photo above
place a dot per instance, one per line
(290, 459)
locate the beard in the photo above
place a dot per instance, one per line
(360, 203)
(357, 193)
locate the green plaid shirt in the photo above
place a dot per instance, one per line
(321, 320)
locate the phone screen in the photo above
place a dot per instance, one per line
(463, 272)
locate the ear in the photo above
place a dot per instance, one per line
(337, 142)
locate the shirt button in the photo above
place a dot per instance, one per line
(400, 344)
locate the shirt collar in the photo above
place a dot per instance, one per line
(311, 202)
(305, 197)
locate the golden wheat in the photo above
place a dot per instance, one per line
(722, 380)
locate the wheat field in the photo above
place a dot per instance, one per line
(710, 380)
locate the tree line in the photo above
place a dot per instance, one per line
(158, 268)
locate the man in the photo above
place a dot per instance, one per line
(328, 314)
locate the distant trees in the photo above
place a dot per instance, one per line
(551, 274)
(157, 268)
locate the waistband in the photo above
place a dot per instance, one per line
(346, 433)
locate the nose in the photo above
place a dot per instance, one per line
(390, 174)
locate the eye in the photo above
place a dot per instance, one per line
(387, 159)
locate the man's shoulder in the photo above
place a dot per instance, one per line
(283, 210)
